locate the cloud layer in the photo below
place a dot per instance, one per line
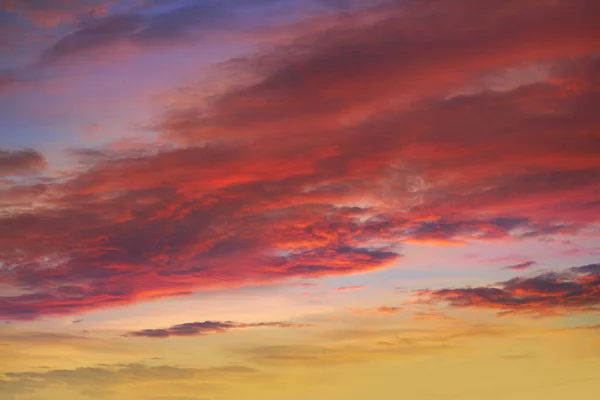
(98, 381)
(408, 123)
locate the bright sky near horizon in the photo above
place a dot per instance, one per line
(299, 199)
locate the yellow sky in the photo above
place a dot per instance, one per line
(468, 356)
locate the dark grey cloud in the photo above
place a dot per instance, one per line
(587, 269)
(206, 327)
(521, 266)
(553, 293)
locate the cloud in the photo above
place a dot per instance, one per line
(389, 310)
(206, 328)
(431, 316)
(20, 162)
(383, 310)
(381, 129)
(349, 288)
(582, 328)
(140, 28)
(175, 398)
(101, 379)
(152, 25)
(519, 357)
(313, 85)
(359, 346)
(22, 349)
(573, 291)
(52, 13)
(587, 269)
(521, 266)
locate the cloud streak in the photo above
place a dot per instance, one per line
(350, 288)
(388, 310)
(100, 380)
(521, 266)
(207, 328)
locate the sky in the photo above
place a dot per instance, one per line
(299, 199)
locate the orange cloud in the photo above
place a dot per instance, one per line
(383, 310)
(431, 316)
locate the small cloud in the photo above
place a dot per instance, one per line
(21, 162)
(206, 328)
(521, 266)
(389, 310)
(350, 288)
(518, 357)
(575, 290)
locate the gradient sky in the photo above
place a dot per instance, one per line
(299, 199)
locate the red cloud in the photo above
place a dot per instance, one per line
(265, 182)
(577, 290)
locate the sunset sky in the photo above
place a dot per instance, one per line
(299, 199)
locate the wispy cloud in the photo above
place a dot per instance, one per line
(207, 327)
(389, 310)
(521, 266)
(102, 380)
(52, 13)
(350, 288)
(575, 290)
